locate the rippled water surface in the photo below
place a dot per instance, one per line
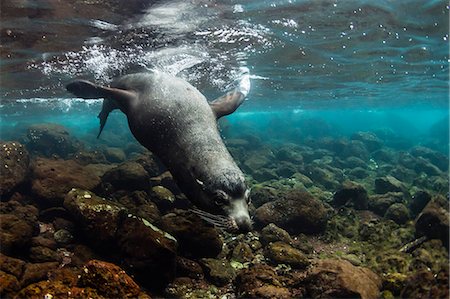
(357, 55)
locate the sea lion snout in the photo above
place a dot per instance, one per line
(240, 216)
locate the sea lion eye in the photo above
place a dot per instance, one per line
(221, 198)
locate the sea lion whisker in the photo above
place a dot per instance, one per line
(212, 216)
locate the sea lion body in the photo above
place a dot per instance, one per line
(174, 120)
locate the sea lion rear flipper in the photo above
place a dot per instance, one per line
(229, 102)
(114, 98)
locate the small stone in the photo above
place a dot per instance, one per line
(398, 212)
(219, 272)
(282, 253)
(63, 237)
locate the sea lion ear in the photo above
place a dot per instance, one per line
(229, 102)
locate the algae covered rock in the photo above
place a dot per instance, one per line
(126, 176)
(299, 212)
(351, 194)
(433, 221)
(14, 166)
(218, 271)
(388, 184)
(195, 237)
(273, 233)
(98, 217)
(114, 154)
(51, 139)
(282, 253)
(426, 284)
(262, 281)
(52, 179)
(147, 250)
(398, 212)
(18, 224)
(340, 279)
(108, 280)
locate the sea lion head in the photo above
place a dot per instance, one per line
(224, 202)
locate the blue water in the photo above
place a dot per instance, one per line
(330, 67)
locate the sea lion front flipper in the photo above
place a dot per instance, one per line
(114, 98)
(229, 102)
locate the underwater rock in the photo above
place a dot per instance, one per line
(388, 184)
(418, 201)
(89, 157)
(138, 203)
(370, 140)
(355, 148)
(325, 176)
(18, 224)
(51, 139)
(188, 288)
(273, 233)
(299, 212)
(126, 176)
(218, 271)
(55, 289)
(52, 179)
(397, 212)
(188, 268)
(426, 284)
(354, 162)
(433, 221)
(438, 159)
(424, 166)
(108, 280)
(14, 166)
(264, 175)
(9, 285)
(97, 217)
(147, 251)
(262, 281)
(285, 169)
(351, 194)
(262, 194)
(42, 254)
(195, 237)
(381, 202)
(384, 155)
(150, 163)
(114, 154)
(37, 272)
(282, 253)
(290, 153)
(63, 237)
(340, 279)
(11, 265)
(242, 253)
(163, 198)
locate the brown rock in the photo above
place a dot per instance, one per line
(299, 212)
(37, 272)
(433, 221)
(11, 265)
(52, 179)
(261, 281)
(194, 236)
(282, 253)
(14, 166)
(108, 280)
(340, 279)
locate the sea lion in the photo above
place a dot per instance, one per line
(172, 119)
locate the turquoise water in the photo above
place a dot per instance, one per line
(343, 66)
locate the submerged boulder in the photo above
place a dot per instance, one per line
(51, 139)
(126, 176)
(52, 179)
(18, 224)
(98, 218)
(340, 279)
(108, 280)
(195, 237)
(14, 166)
(298, 212)
(352, 194)
(388, 184)
(433, 221)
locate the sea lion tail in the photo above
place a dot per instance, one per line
(114, 98)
